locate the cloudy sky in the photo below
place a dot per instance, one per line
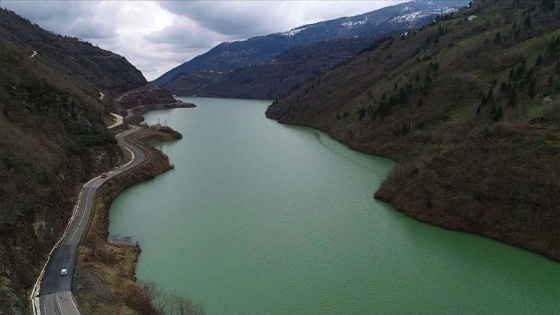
(156, 36)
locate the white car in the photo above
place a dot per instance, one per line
(64, 272)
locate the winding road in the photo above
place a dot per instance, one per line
(52, 293)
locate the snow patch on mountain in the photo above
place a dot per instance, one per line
(413, 16)
(293, 31)
(351, 24)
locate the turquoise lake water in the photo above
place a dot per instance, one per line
(262, 218)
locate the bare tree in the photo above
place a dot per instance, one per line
(165, 303)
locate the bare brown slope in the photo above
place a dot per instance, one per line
(470, 106)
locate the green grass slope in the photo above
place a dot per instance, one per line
(470, 105)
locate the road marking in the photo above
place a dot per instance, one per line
(86, 206)
(58, 304)
(73, 302)
(79, 223)
(37, 307)
(82, 218)
(70, 241)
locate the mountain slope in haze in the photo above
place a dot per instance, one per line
(274, 78)
(110, 73)
(471, 108)
(53, 138)
(257, 50)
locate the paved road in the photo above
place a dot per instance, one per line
(55, 296)
(59, 303)
(118, 122)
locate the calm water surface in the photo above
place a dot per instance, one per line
(261, 218)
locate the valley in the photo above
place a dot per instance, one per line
(382, 129)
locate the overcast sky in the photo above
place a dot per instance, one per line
(156, 36)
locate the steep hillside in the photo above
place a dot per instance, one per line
(274, 78)
(52, 139)
(471, 106)
(150, 97)
(137, 102)
(258, 50)
(95, 67)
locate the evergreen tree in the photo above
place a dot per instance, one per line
(527, 21)
(539, 61)
(496, 113)
(532, 89)
(498, 38)
(548, 5)
(513, 96)
(362, 113)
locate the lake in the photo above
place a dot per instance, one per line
(262, 218)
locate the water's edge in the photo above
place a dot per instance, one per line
(428, 245)
(98, 258)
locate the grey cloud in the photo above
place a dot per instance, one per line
(71, 18)
(194, 26)
(91, 29)
(244, 19)
(46, 11)
(185, 34)
(236, 19)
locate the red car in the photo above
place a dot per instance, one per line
(103, 175)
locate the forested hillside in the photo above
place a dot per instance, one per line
(273, 79)
(52, 139)
(470, 105)
(95, 67)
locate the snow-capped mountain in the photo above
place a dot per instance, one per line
(406, 15)
(257, 50)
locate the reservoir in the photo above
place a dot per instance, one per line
(262, 218)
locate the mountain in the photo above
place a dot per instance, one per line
(273, 79)
(103, 69)
(470, 107)
(258, 50)
(53, 138)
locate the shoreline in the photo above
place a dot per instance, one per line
(136, 115)
(105, 271)
(394, 197)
